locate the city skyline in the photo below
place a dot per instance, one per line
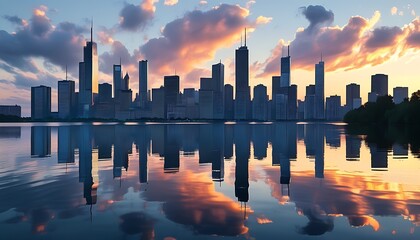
(400, 69)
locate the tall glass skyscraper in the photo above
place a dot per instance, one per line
(218, 82)
(88, 77)
(143, 92)
(319, 91)
(285, 70)
(242, 93)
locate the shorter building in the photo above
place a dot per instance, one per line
(105, 93)
(158, 103)
(333, 108)
(229, 103)
(206, 101)
(66, 99)
(372, 97)
(10, 110)
(400, 94)
(260, 103)
(40, 102)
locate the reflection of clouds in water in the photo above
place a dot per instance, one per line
(138, 223)
(354, 196)
(318, 224)
(190, 199)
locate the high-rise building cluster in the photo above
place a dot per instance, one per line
(213, 101)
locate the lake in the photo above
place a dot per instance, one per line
(207, 181)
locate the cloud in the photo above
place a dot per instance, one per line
(203, 2)
(39, 38)
(264, 20)
(354, 45)
(16, 20)
(394, 11)
(170, 2)
(195, 38)
(194, 76)
(317, 16)
(133, 18)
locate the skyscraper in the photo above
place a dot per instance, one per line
(352, 92)
(285, 70)
(66, 99)
(171, 84)
(379, 84)
(88, 77)
(206, 98)
(309, 113)
(40, 102)
(229, 104)
(260, 103)
(143, 78)
(400, 94)
(275, 86)
(319, 91)
(242, 94)
(332, 109)
(117, 81)
(218, 82)
(105, 93)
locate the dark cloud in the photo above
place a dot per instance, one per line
(383, 37)
(317, 16)
(60, 45)
(137, 17)
(15, 20)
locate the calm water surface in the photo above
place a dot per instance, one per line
(207, 181)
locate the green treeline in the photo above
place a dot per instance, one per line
(384, 111)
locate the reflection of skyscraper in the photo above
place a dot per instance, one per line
(260, 140)
(242, 95)
(319, 150)
(65, 144)
(104, 138)
(242, 150)
(143, 146)
(87, 166)
(40, 141)
(400, 151)
(171, 146)
(228, 148)
(353, 144)
(332, 136)
(217, 152)
(314, 142)
(122, 148)
(379, 157)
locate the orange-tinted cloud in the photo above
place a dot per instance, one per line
(354, 45)
(194, 39)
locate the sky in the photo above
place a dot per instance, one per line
(39, 38)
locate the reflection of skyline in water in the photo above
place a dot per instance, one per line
(163, 169)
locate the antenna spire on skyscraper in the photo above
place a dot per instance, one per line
(245, 37)
(66, 72)
(91, 30)
(288, 50)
